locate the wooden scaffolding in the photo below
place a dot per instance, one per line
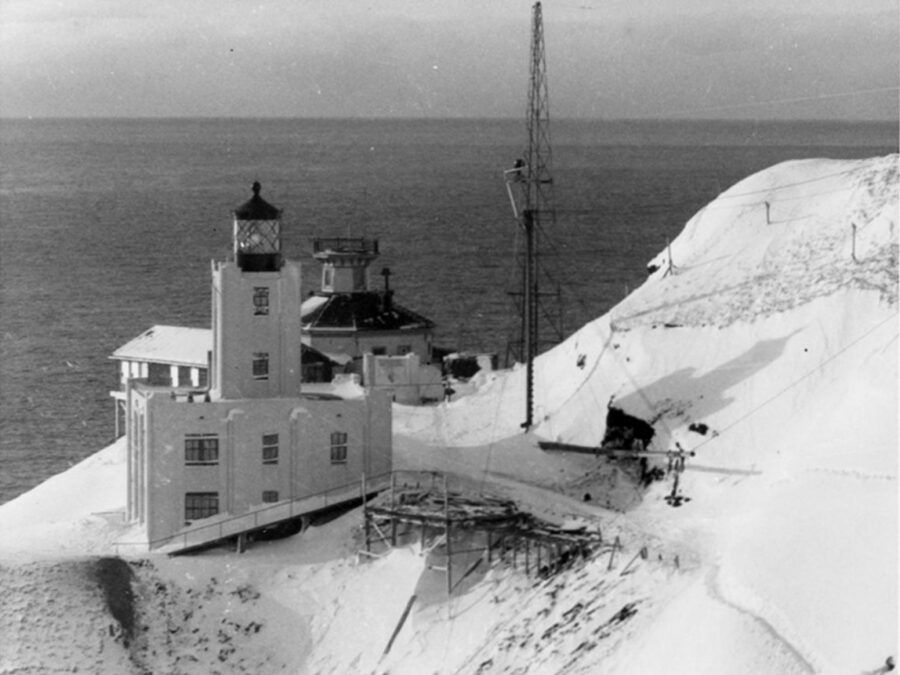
(421, 505)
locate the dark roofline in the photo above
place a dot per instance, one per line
(364, 311)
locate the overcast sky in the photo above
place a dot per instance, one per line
(823, 59)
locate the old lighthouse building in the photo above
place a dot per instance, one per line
(250, 449)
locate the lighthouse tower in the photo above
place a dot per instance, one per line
(256, 310)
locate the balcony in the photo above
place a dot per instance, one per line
(346, 246)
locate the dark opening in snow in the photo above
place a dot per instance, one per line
(114, 576)
(622, 430)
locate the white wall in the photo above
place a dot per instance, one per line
(159, 477)
(238, 332)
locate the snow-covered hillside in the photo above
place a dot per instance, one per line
(769, 327)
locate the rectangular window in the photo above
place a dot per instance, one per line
(199, 505)
(260, 365)
(402, 350)
(338, 447)
(270, 449)
(379, 351)
(260, 300)
(270, 496)
(201, 449)
(159, 375)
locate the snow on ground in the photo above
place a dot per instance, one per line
(773, 333)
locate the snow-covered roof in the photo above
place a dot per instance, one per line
(176, 345)
(311, 304)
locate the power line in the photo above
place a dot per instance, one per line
(776, 101)
(800, 379)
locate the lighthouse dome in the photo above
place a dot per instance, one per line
(257, 208)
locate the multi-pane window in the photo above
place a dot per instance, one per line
(260, 300)
(270, 448)
(199, 505)
(260, 365)
(159, 375)
(201, 449)
(270, 496)
(338, 447)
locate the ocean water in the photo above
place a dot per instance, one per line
(108, 226)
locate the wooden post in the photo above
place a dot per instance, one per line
(400, 623)
(448, 535)
(768, 219)
(612, 553)
(539, 547)
(393, 518)
(365, 514)
(489, 547)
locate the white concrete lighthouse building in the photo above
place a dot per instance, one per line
(251, 449)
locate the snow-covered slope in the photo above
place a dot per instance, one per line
(773, 332)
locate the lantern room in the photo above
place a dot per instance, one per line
(257, 235)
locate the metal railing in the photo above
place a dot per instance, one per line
(345, 245)
(266, 515)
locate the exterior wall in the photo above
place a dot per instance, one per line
(344, 278)
(357, 343)
(184, 376)
(239, 333)
(403, 377)
(159, 477)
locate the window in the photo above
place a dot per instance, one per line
(201, 449)
(199, 505)
(159, 375)
(338, 447)
(261, 365)
(270, 449)
(270, 496)
(403, 349)
(260, 300)
(379, 351)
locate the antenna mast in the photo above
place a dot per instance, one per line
(532, 204)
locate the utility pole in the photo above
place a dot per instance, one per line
(532, 202)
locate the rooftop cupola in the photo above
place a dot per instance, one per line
(257, 235)
(345, 263)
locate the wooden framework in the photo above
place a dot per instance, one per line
(420, 505)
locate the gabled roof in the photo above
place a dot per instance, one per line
(182, 346)
(175, 345)
(367, 311)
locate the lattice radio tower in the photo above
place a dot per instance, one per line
(530, 187)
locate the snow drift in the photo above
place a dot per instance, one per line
(764, 339)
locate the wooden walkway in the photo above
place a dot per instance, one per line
(225, 527)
